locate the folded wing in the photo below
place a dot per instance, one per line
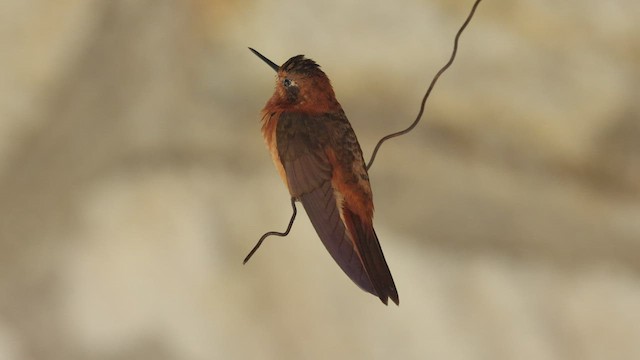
(302, 145)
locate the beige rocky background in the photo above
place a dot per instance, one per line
(133, 181)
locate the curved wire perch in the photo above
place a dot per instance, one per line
(426, 95)
(390, 136)
(274, 233)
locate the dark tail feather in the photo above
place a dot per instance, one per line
(366, 241)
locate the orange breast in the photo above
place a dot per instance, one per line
(269, 125)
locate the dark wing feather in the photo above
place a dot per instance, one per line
(301, 142)
(321, 207)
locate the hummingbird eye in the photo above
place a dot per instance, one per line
(286, 82)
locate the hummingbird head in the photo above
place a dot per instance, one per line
(301, 85)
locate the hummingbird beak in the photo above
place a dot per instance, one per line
(269, 62)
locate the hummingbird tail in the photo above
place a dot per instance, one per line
(366, 241)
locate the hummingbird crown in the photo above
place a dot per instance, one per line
(301, 65)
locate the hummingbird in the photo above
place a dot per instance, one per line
(319, 159)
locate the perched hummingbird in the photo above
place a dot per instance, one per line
(320, 161)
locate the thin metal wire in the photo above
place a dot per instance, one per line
(426, 95)
(274, 233)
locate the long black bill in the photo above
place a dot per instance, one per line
(269, 62)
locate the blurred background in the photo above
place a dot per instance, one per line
(134, 180)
